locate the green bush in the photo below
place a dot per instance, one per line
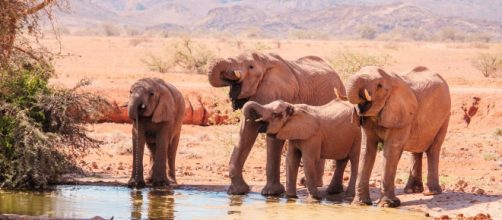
(41, 127)
(185, 54)
(348, 63)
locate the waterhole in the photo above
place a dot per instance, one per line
(125, 203)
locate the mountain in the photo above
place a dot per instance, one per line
(278, 18)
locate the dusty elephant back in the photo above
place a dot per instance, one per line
(180, 103)
(434, 106)
(317, 81)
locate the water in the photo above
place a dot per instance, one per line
(124, 203)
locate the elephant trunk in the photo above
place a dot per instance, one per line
(217, 71)
(133, 108)
(252, 110)
(354, 85)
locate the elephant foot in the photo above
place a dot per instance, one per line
(272, 189)
(414, 187)
(433, 191)
(361, 201)
(240, 188)
(303, 182)
(133, 183)
(315, 197)
(291, 195)
(172, 180)
(350, 193)
(389, 202)
(160, 182)
(334, 189)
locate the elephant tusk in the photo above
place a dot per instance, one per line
(259, 120)
(367, 95)
(143, 106)
(337, 94)
(237, 74)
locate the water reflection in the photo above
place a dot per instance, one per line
(123, 203)
(160, 204)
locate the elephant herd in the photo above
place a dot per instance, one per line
(305, 102)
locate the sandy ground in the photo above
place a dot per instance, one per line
(470, 167)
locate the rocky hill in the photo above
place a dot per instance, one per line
(281, 18)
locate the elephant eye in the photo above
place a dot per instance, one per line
(251, 66)
(379, 85)
(151, 94)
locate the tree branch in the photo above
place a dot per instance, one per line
(38, 7)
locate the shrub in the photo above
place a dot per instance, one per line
(41, 127)
(488, 64)
(367, 32)
(185, 54)
(348, 63)
(111, 30)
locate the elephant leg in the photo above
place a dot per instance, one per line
(171, 159)
(362, 196)
(354, 166)
(248, 134)
(414, 184)
(293, 163)
(309, 163)
(336, 185)
(273, 186)
(433, 162)
(320, 170)
(159, 177)
(138, 143)
(151, 147)
(391, 153)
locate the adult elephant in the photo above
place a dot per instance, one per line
(264, 78)
(156, 109)
(409, 112)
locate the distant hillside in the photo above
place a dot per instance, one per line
(282, 18)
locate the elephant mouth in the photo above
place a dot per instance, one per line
(262, 127)
(363, 107)
(235, 90)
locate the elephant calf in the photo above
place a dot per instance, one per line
(314, 133)
(407, 113)
(156, 109)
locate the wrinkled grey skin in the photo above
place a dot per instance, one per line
(263, 79)
(157, 111)
(314, 133)
(407, 112)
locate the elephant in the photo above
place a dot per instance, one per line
(156, 109)
(314, 133)
(264, 78)
(407, 112)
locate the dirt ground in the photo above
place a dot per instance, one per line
(471, 158)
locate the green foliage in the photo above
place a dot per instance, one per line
(488, 64)
(41, 130)
(185, 54)
(347, 63)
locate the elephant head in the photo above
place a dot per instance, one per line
(282, 119)
(245, 73)
(150, 98)
(386, 96)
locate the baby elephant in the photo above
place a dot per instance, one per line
(314, 133)
(157, 110)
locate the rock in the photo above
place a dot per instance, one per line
(372, 183)
(345, 178)
(444, 217)
(478, 191)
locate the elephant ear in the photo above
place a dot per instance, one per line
(300, 126)
(401, 107)
(165, 106)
